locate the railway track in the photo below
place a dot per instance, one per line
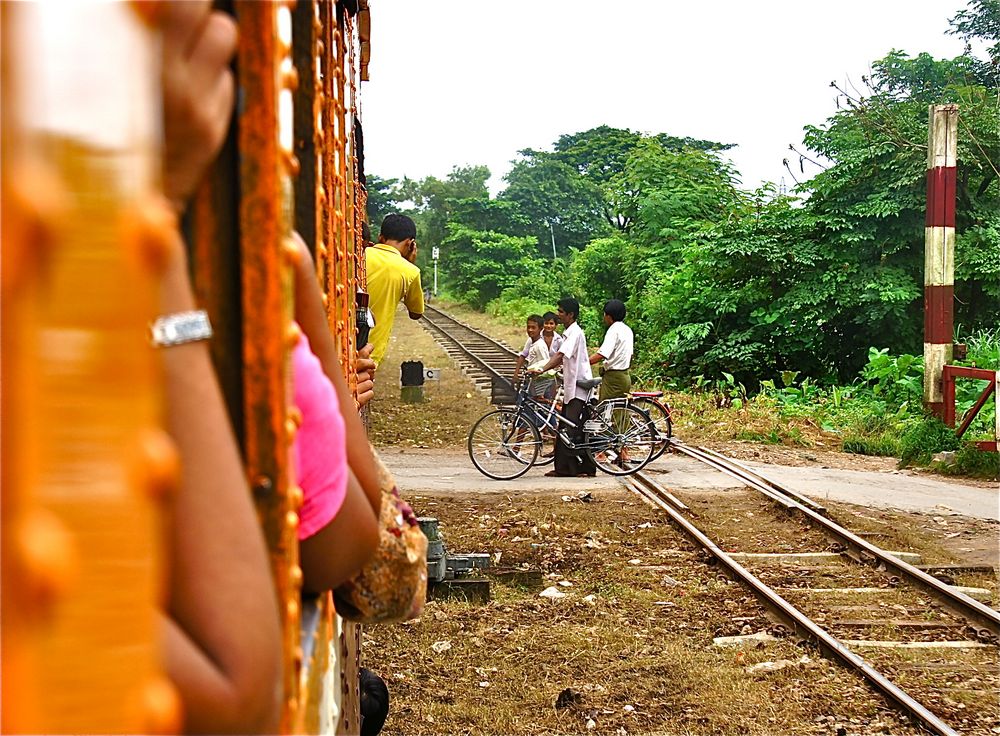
(481, 358)
(883, 579)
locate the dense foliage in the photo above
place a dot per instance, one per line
(720, 281)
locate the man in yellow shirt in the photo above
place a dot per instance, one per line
(392, 277)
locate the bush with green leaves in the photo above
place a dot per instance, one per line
(923, 439)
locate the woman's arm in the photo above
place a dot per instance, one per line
(222, 642)
(335, 553)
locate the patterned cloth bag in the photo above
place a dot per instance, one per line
(392, 586)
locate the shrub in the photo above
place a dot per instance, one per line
(924, 439)
(971, 461)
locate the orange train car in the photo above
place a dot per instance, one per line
(84, 452)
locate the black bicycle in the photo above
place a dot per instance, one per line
(505, 443)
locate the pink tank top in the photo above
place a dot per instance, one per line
(320, 450)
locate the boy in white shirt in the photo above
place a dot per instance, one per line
(552, 338)
(572, 356)
(616, 352)
(534, 355)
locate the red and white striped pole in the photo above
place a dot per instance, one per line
(939, 251)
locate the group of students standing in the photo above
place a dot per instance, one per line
(546, 350)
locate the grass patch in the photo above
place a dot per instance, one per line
(771, 438)
(877, 445)
(971, 461)
(699, 418)
(919, 443)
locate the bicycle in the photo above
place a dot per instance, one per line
(659, 412)
(505, 443)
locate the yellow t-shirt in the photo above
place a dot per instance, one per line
(391, 278)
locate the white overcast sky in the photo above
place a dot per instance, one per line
(457, 82)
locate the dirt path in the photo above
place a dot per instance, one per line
(451, 471)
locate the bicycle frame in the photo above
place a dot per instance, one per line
(546, 411)
(615, 437)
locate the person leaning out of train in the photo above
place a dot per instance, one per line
(340, 486)
(221, 631)
(615, 353)
(392, 277)
(338, 521)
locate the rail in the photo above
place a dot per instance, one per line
(477, 358)
(792, 617)
(985, 618)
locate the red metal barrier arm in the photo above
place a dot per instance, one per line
(980, 402)
(948, 375)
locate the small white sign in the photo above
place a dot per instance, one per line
(435, 252)
(432, 374)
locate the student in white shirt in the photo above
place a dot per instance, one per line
(534, 355)
(616, 352)
(552, 338)
(572, 356)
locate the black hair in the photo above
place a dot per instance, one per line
(550, 316)
(374, 703)
(397, 228)
(569, 305)
(536, 319)
(366, 233)
(615, 309)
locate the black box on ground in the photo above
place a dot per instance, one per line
(411, 373)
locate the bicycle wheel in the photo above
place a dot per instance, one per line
(660, 416)
(620, 438)
(503, 444)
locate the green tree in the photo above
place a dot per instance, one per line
(601, 154)
(759, 283)
(498, 215)
(384, 197)
(980, 21)
(563, 207)
(478, 265)
(871, 202)
(435, 200)
(602, 271)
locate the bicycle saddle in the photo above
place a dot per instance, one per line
(647, 394)
(588, 385)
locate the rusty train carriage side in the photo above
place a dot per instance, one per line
(269, 333)
(334, 249)
(305, 184)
